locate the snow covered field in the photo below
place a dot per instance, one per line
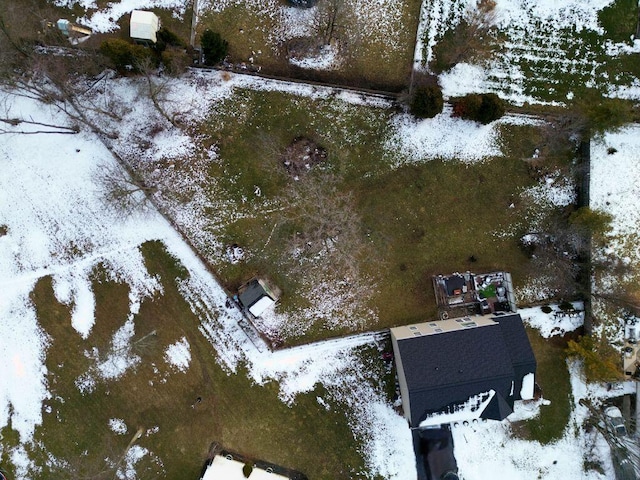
(615, 189)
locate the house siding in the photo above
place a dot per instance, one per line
(402, 381)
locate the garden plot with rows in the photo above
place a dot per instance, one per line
(545, 52)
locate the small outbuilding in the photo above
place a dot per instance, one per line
(225, 465)
(463, 369)
(228, 468)
(144, 26)
(256, 296)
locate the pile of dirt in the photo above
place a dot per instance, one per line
(301, 155)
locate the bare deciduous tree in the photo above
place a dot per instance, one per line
(325, 223)
(123, 190)
(335, 24)
(36, 62)
(470, 39)
(157, 89)
(329, 21)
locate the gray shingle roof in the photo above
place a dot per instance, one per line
(516, 340)
(448, 368)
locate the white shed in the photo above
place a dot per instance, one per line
(226, 468)
(144, 25)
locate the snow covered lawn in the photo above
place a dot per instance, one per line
(615, 188)
(56, 225)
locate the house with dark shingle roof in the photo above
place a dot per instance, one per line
(462, 369)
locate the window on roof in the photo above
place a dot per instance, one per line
(433, 324)
(469, 324)
(413, 328)
(438, 330)
(459, 320)
(417, 334)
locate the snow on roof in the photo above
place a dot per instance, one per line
(469, 410)
(223, 468)
(528, 384)
(262, 304)
(144, 25)
(437, 373)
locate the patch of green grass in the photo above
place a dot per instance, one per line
(383, 62)
(252, 129)
(158, 262)
(415, 221)
(76, 425)
(242, 416)
(248, 33)
(393, 68)
(430, 219)
(553, 377)
(619, 19)
(9, 438)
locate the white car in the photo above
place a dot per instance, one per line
(615, 421)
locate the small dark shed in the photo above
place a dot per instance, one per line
(256, 296)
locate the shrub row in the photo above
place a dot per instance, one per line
(169, 51)
(427, 102)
